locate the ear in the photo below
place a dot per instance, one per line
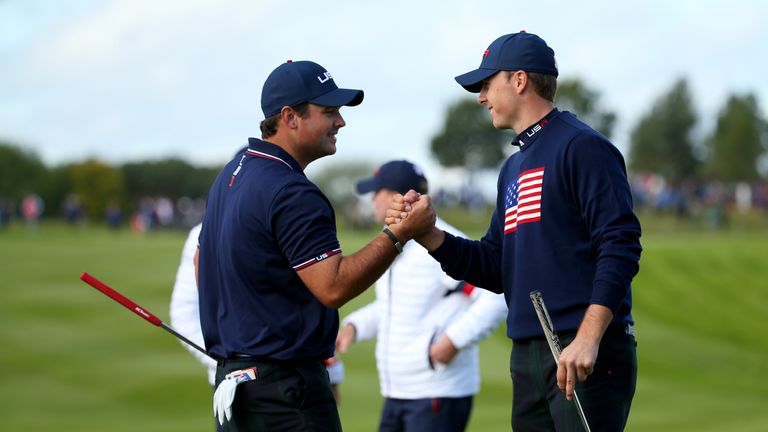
(289, 117)
(520, 81)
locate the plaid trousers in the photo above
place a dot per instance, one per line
(606, 396)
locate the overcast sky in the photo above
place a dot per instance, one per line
(125, 80)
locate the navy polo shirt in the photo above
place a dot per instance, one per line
(265, 220)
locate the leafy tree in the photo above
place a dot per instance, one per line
(173, 178)
(661, 142)
(55, 187)
(21, 172)
(573, 95)
(468, 138)
(738, 141)
(96, 184)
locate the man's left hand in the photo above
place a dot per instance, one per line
(577, 360)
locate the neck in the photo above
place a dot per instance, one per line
(535, 112)
(285, 143)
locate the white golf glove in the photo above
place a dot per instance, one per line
(225, 392)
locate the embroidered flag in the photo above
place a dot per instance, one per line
(522, 202)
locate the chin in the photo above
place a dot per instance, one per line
(498, 124)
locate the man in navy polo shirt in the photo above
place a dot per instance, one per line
(564, 226)
(271, 274)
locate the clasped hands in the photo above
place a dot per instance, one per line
(413, 216)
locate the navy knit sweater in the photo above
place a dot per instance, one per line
(563, 225)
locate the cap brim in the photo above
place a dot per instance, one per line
(473, 81)
(339, 97)
(367, 185)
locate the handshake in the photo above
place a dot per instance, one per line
(412, 216)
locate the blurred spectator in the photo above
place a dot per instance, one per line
(743, 197)
(5, 212)
(73, 209)
(163, 211)
(114, 215)
(32, 207)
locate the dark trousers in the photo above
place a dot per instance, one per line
(606, 396)
(425, 415)
(284, 397)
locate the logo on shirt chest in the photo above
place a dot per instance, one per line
(522, 200)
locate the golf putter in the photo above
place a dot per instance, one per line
(138, 310)
(554, 344)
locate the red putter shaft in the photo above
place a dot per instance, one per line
(138, 310)
(116, 296)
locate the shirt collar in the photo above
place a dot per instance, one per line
(527, 137)
(267, 150)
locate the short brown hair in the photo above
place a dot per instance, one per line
(544, 85)
(268, 126)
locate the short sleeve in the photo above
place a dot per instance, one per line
(304, 224)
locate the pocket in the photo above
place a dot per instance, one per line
(616, 364)
(283, 385)
(432, 364)
(435, 366)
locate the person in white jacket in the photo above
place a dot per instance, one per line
(427, 326)
(185, 310)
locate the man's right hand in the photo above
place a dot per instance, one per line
(400, 206)
(345, 338)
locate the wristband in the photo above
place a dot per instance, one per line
(394, 239)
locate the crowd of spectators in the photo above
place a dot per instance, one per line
(709, 201)
(148, 213)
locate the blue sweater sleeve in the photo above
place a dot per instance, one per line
(477, 262)
(604, 199)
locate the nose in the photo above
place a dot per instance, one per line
(340, 123)
(481, 96)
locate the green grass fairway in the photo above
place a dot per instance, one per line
(72, 359)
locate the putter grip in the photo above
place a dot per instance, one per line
(116, 296)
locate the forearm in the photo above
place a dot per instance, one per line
(338, 279)
(365, 321)
(476, 262)
(362, 269)
(596, 320)
(432, 239)
(617, 264)
(479, 320)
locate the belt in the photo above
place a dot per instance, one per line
(613, 329)
(242, 358)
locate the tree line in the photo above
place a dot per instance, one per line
(97, 184)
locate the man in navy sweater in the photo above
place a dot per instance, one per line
(563, 225)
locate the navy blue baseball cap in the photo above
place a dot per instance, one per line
(512, 52)
(296, 82)
(399, 175)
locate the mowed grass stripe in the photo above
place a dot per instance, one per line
(699, 300)
(713, 286)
